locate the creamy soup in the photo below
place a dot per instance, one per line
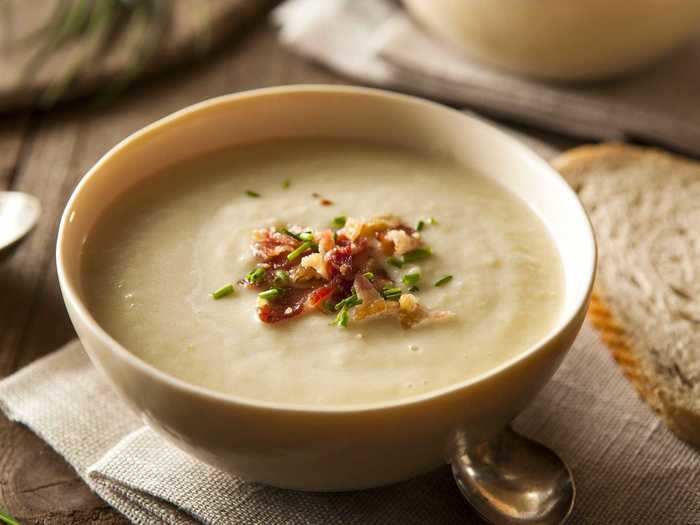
(152, 262)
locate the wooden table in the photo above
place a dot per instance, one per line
(46, 154)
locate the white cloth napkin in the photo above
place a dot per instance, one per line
(374, 41)
(629, 468)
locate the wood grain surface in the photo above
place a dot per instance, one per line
(46, 154)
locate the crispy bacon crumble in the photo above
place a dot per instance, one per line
(342, 272)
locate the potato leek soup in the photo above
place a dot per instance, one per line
(313, 271)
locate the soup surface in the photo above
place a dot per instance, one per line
(152, 262)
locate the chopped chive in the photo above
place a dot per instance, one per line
(306, 236)
(433, 220)
(335, 237)
(6, 518)
(286, 183)
(293, 235)
(282, 278)
(223, 291)
(417, 255)
(391, 294)
(420, 226)
(443, 281)
(255, 275)
(270, 294)
(369, 276)
(252, 193)
(395, 261)
(413, 289)
(301, 249)
(349, 302)
(411, 279)
(339, 221)
(342, 318)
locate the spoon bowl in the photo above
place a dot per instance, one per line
(512, 480)
(19, 213)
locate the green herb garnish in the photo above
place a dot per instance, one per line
(270, 294)
(417, 255)
(395, 261)
(306, 236)
(6, 518)
(411, 279)
(252, 193)
(433, 220)
(254, 276)
(282, 278)
(301, 249)
(342, 318)
(443, 280)
(420, 225)
(391, 294)
(369, 276)
(293, 235)
(349, 302)
(223, 291)
(339, 222)
(286, 183)
(413, 289)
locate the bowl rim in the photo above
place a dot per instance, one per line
(72, 297)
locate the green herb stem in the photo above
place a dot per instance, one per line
(270, 294)
(282, 278)
(342, 318)
(348, 302)
(411, 279)
(301, 249)
(395, 261)
(391, 294)
(443, 280)
(223, 291)
(293, 235)
(6, 518)
(417, 255)
(252, 193)
(254, 276)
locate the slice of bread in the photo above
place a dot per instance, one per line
(645, 208)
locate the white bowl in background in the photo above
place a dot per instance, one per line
(573, 40)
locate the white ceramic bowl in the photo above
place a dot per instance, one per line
(562, 39)
(328, 448)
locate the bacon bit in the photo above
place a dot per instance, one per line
(300, 275)
(402, 241)
(289, 304)
(326, 242)
(270, 244)
(355, 228)
(315, 262)
(322, 278)
(326, 202)
(423, 315)
(319, 295)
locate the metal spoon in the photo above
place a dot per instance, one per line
(19, 212)
(514, 480)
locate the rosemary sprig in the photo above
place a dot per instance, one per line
(7, 519)
(98, 27)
